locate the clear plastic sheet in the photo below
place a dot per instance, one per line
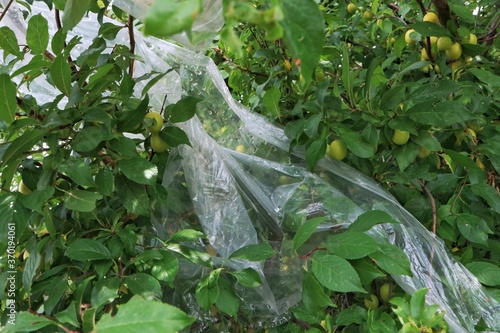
(261, 192)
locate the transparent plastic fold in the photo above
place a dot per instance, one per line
(239, 183)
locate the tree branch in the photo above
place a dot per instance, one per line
(443, 11)
(6, 9)
(433, 204)
(131, 35)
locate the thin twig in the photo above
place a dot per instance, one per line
(247, 70)
(433, 204)
(422, 7)
(132, 43)
(58, 19)
(6, 9)
(458, 196)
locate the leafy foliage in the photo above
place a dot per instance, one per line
(80, 193)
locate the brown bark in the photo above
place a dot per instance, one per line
(443, 11)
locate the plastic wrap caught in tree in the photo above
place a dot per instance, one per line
(241, 184)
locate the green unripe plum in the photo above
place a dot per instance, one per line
(454, 52)
(423, 152)
(385, 292)
(158, 125)
(372, 303)
(158, 144)
(400, 137)
(23, 188)
(337, 150)
(444, 43)
(368, 15)
(351, 8)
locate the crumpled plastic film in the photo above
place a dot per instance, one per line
(204, 28)
(240, 185)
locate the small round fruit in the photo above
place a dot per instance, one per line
(368, 15)
(158, 144)
(319, 75)
(240, 148)
(23, 188)
(444, 43)
(400, 137)
(423, 152)
(472, 39)
(454, 52)
(337, 150)
(456, 65)
(372, 303)
(479, 163)
(431, 17)
(433, 40)
(437, 69)
(157, 126)
(392, 40)
(351, 8)
(408, 39)
(385, 292)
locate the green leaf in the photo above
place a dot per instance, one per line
(486, 77)
(104, 291)
(392, 260)
(143, 284)
(58, 40)
(367, 220)
(141, 315)
(366, 270)
(473, 228)
(427, 140)
(305, 231)
(440, 115)
(133, 196)
(303, 27)
(105, 181)
(84, 249)
(315, 151)
(254, 252)
(463, 11)
(405, 155)
(271, 100)
(207, 290)
(430, 29)
(60, 73)
(38, 198)
(313, 295)
(356, 143)
(335, 273)
(87, 139)
(8, 101)
(417, 303)
(352, 315)
(186, 235)
(247, 277)
(82, 201)
(139, 170)
(56, 290)
(31, 266)
(37, 34)
(489, 194)
(169, 17)
(28, 322)
(79, 171)
(184, 109)
(351, 245)
(9, 43)
(74, 10)
(487, 273)
(109, 30)
(174, 136)
(227, 301)
(166, 268)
